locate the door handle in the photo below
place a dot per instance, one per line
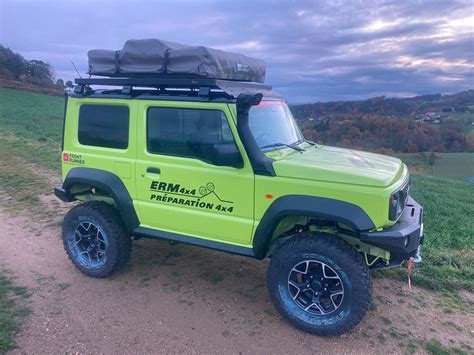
(153, 170)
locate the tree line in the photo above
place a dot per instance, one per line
(23, 73)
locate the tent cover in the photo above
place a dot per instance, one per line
(154, 57)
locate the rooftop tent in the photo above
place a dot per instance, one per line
(154, 57)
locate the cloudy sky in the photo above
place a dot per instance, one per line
(314, 50)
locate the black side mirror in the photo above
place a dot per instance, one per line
(227, 154)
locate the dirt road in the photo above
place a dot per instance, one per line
(182, 299)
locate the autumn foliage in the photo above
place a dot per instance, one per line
(388, 135)
(391, 125)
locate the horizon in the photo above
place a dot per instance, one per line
(386, 97)
(315, 52)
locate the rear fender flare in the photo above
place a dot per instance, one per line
(110, 183)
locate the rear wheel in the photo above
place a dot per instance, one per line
(320, 284)
(95, 239)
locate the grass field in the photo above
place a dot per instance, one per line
(33, 125)
(449, 224)
(446, 165)
(454, 165)
(465, 117)
(13, 307)
(30, 141)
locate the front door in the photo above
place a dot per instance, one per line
(180, 188)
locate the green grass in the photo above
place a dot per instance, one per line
(468, 129)
(33, 124)
(454, 165)
(434, 347)
(448, 253)
(446, 165)
(33, 116)
(13, 307)
(465, 117)
(20, 181)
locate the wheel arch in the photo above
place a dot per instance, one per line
(107, 182)
(300, 206)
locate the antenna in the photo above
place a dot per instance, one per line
(77, 71)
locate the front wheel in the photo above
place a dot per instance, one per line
(320, 284)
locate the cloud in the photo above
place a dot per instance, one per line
(315, 50)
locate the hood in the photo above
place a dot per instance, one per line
(338, 165)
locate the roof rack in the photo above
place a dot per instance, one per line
(204, 85)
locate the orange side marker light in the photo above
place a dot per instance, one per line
(268, 196)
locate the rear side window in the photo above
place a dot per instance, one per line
(104, 126)
(190, 133)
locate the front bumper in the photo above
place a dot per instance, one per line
(404, 236)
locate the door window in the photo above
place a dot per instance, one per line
(190, 133)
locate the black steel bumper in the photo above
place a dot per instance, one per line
(63, 195)
(404, 236)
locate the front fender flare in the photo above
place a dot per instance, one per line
(300, 205)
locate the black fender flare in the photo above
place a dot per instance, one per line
(300, 205)
(110, 183)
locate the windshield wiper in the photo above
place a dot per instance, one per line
(282, 144)
(303, 141)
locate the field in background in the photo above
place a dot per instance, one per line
(30, 143)
(32, 124)
(457, 166)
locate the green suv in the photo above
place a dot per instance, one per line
(222, 164)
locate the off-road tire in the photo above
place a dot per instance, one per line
(107, 218)
(343, 259)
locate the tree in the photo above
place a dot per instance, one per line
(432, 160)
(69, 84)
(470, 142)
(15, 67)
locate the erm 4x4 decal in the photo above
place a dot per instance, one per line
(180, 195)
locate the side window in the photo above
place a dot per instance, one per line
(104, 126)
(190, 133)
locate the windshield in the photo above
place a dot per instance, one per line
(273, 125)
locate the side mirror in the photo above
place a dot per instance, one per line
(227, 154)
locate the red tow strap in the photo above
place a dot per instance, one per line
(410, 264)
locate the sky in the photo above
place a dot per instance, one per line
(314, 50)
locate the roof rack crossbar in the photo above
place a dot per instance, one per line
(169, 82)
(202, 85)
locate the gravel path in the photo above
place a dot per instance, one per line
(182, 299)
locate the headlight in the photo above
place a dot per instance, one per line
(397, 202)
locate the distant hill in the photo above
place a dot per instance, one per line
(412, 107)
(442, 123)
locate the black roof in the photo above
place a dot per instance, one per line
(163, 87)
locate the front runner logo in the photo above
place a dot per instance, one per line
(73, 158)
